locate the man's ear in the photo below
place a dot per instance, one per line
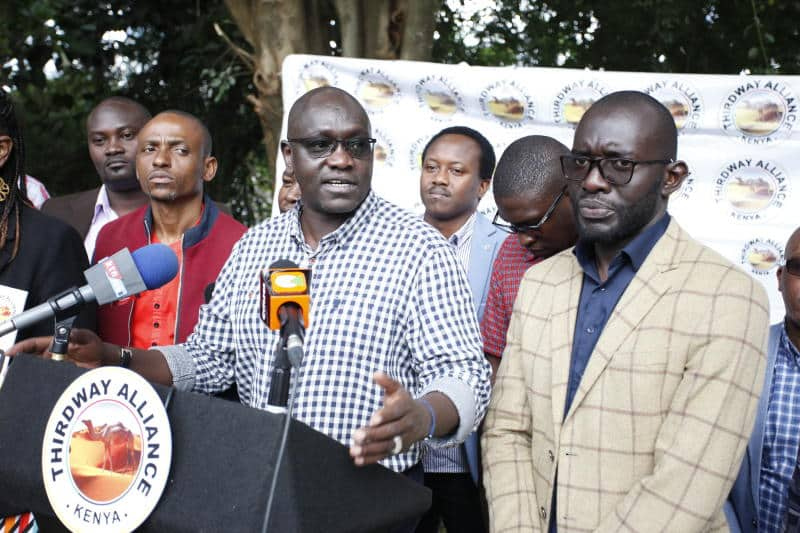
(779, 273)
(482, 188)
(286, 150)
(209, 168)
(676, 172)
(6, 145)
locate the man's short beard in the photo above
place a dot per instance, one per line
(629, 222)
(122, 184)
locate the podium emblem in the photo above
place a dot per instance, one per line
(106, 452)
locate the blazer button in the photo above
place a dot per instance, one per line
(551, 456)
(542, 513)
(755, 522)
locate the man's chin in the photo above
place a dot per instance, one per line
(122, 184)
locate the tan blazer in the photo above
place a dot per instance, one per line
(659, 424)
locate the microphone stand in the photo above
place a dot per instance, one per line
(61, 338)
(290, 349)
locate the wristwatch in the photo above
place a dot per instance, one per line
(125, 357)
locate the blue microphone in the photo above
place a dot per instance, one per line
(111, 279)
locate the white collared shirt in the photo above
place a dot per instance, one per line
(103, 214)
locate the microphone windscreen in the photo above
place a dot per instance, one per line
(156, 263)
(283, 263)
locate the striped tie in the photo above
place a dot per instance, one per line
(24, 523)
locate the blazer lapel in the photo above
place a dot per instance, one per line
(642, 294)
(562, 333)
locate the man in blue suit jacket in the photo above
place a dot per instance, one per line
(457, 166)
(758, 499)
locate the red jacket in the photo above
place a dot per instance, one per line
(206, 247)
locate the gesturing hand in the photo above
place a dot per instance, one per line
(85, 348)
(401, 416)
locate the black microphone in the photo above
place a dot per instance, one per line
(284, 306)
(111, 279)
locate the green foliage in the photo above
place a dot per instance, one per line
(164, 55)
(699, 36)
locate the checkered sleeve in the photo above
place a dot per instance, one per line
(443, 336)
(495, 321)
(704, 434)
(507, 439)
(211, 345)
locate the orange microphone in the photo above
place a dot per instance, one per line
(284, 294)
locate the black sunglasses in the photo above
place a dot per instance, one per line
(528, 228)
(319, 147)
(616, 170)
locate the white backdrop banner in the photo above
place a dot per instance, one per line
(738, 134)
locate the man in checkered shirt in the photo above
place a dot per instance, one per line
(393, 351)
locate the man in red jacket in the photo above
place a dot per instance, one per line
(172, 163)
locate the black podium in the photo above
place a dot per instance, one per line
(223, 459)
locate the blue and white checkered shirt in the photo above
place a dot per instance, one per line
(387, 293)
(781, 436)
(453, 459)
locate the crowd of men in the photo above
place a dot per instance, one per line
(620, 365)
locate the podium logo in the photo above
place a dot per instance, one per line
(439, 96)
(506, 102)
(761, 256)
(384, 149)
(759, 112)
(376, 90)
(751, 189)
(681, 99)
(573, 100)
(106, 452)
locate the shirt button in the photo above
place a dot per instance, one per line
(155, 324)
(157, 306)
(590, 330)
(551, 456)
(152, 344)
(542, 513)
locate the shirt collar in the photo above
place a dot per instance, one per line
(786, 344)
(344, 232)
(464, 232)
(102, 205)
(635, 251)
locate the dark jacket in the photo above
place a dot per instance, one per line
(75, 209)
(51, 258)
(206, 247)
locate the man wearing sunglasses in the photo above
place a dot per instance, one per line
(533, 206)
(393, 351)
(759, 496)
(457, 166)
(633, 364)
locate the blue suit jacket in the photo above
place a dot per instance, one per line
(741, 509)
(486, 241)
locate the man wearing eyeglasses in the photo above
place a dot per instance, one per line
(532, 199)
(393, 351)
(457, 165)
(760, 494)
(633, 363)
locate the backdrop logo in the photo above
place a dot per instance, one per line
(506, 102)
(761, 256)
(751, 189)
(7, 308)
(384, 149)
(574, 99)
(759, 112)
(682, 100)
(106, 452)
(686, 190)
(376, 90)
(316, 74)
(439, 96)
(415, 153)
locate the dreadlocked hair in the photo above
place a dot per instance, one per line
(13, 173)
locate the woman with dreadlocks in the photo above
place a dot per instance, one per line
(38, 253)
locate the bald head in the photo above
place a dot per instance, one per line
(196, 122)
(302, 110)
(136, 113)
(530, 166)
(794, 241)
(655, 121)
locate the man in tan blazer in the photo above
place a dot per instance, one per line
(634, 361)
